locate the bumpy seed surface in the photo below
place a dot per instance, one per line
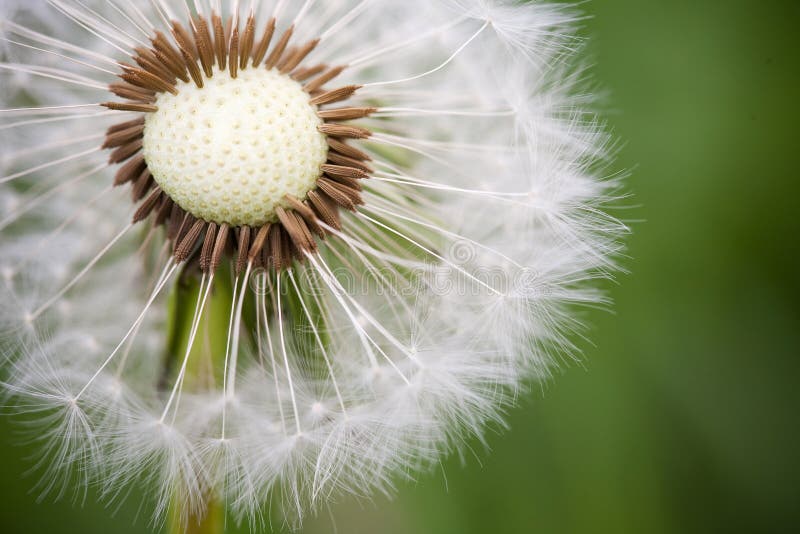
(228, 153)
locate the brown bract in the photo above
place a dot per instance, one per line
(191, 56)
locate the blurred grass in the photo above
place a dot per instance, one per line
(684, 418)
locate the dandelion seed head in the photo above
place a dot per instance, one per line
(280, 251)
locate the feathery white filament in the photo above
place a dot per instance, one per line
(290, 381)
(99, 256)
(169, 269)
(202, 298)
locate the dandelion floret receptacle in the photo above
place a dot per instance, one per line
(245, 143)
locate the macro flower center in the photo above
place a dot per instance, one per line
(231, 151)
(236, 150)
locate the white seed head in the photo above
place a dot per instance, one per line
(229, 152)
(399, 337)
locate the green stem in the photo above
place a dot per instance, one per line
(212, 522)
(203, 372)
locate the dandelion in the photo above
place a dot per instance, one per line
(274, 250)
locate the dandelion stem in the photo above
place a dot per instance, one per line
(212, 521)
(197, 326)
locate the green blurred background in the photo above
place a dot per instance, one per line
(683, 417)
